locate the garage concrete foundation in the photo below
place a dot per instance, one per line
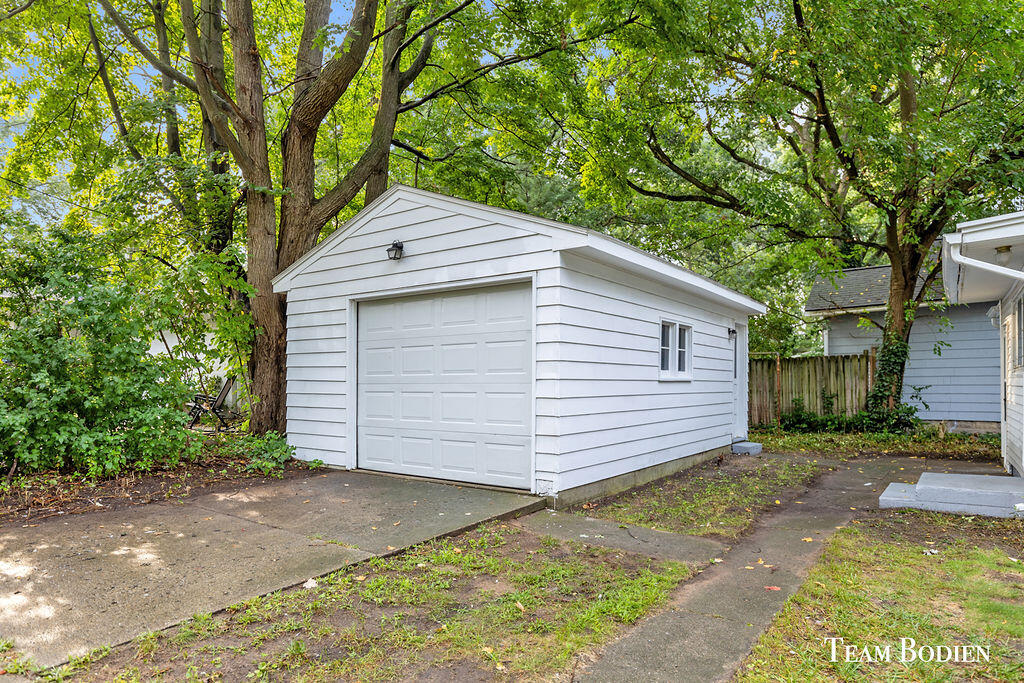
(629, 480)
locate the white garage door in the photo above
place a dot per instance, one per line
(445, 385)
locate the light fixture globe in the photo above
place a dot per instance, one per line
(395, 251)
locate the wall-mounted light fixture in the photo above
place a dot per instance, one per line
(395, 251)
(1003, 255)
(732, 334)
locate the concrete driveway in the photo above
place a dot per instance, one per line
(72, 584)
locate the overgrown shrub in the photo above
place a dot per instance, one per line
(900, 419)
(78, 389)
(266, 454)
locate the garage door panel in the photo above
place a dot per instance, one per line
(507, 460)
(445, 385)
(507, 358)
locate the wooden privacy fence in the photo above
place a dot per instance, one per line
(775, 382)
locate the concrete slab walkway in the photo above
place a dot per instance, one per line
(72, 584)
(713, 622)
(602, 532)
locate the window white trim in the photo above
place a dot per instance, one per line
(675, 351)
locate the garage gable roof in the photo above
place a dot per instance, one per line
(565, 237)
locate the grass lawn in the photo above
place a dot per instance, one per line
(925, 441)
(496, 600)
(713, 499)
(940, 579)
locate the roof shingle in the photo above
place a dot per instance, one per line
(857, 288)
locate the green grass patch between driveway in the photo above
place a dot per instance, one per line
(879, 581)
(925, 441)
(496, 600)
(721, 500)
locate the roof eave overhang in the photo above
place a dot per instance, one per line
(625, 257)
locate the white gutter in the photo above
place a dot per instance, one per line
(961, 260)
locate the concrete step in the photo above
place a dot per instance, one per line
(746, 447)
(971, 489)
(969, 494)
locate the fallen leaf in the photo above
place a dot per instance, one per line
(374, 528)
(305, 501)
(748, 567)
(807, 539)
(520, 606)
(310, 584)
(391, 547)
(760, 561)
(772, 588)
(499, 666)
(778, 502)
(397, 523)
(359, 578)
(488, 650)
(457, 551)
(717, 560)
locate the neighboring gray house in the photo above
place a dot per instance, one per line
(983, 261)
(954, 353)
(442, 338)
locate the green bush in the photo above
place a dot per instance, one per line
(900, 419)
(78, 388)
(268, 453)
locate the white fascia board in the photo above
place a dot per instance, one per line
(283, 280)
(514, 219)
(991, 222)
(602, 248)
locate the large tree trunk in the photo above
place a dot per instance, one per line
(268, 366)
(892, 357)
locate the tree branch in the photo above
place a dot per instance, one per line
(422, 155)
(483, 70)
(17, 10)
(425, 28)
(319, 96)
(206, 95)
(140, 47)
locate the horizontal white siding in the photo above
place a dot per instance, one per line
(961, 381)
(1013, 420)
(442, 248)
(609, 413)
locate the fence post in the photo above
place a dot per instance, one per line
(778, 388)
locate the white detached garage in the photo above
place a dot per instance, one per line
(508, 350)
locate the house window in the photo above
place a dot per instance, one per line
(676, 357)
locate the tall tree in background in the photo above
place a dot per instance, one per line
(858, 128)
(223, 71)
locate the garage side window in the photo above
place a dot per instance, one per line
(676, 357)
